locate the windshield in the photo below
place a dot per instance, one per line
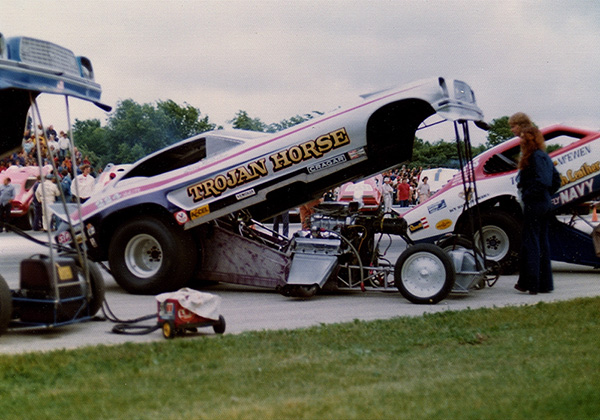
(182, 155)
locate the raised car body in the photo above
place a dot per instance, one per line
(218, 173)
(495, 170)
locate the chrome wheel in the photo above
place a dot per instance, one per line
(143, 255)
(423, 274)
(495, 241)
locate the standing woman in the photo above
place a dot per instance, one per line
(535, 182)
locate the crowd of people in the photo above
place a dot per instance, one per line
(404, 187)
(46, 147)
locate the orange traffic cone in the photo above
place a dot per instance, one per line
(594, 215)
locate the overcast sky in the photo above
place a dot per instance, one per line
(276, 59)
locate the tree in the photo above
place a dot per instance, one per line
(134, 131)
(243, 121)
(499, 131)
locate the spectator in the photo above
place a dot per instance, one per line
(46, 194)
(83, 185)
(7, 195)
(404, 193)
(65, 185)
(387, 192)
(424, 190)
(534, 181)
(50, 132)
(63, 146)
(37, 207)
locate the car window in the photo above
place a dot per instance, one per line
(180, 156)
(509, 159)
(29, 183)
(559, 139)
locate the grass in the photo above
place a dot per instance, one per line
(538, 361)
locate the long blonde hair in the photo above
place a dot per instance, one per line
(531, 140)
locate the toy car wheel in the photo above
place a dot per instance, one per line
(5, 305)
(501, 239)
(149, 256)
(168, 330)
(424, 274)
(219, 327)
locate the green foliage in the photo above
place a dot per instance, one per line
(538, 361)
(499, 131)
(440, 154)
(243, 121)
(134, 131)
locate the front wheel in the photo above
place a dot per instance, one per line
(149, 256)
(501, 239)
(424, 274)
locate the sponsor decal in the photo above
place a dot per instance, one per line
(64, 272)
(181, 217)
(241, 175)
(185, 315)
(199, 212)
(420, 225)
(443, 224)
(575, 154)
(312, 149)
(356, 153)
(436, 206)
(583, 171)
(574, 192)
(245, 194)
(326, 164)
(91, 230)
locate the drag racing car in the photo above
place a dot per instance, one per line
(496, 204)
(192, 210)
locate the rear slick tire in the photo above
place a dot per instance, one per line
(150, 256)
(424, 274)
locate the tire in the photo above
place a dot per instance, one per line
(501, 238)
(149, 256)
(424, 274)
(454, 242)
(97, 285)
(168, 331)
(6, 307)
(219, 328)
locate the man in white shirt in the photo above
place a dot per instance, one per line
(83, 185)
(63, 145)
(424, 190)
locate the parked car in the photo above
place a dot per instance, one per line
(578, 161)
(23, 178)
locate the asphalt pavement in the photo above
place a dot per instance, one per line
(251, 309)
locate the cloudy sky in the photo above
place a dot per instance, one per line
(276, 59)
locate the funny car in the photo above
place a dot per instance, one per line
(156, 222)
(576, 155)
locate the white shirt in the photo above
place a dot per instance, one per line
(86, 186)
